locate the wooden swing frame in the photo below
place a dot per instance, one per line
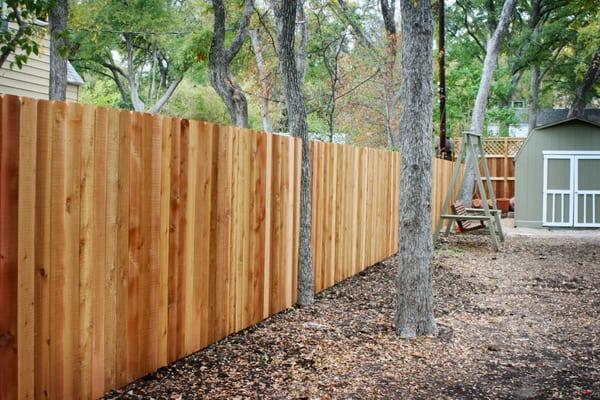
(472, 148)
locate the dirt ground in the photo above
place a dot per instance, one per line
(523, 323)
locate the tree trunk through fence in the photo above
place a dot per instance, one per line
(285, 15)
(414, 308)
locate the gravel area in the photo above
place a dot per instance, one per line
(519, 324)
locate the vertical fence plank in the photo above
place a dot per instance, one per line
(203, 232)
(213, 270)
(9, 181)
(164, 163)
(154, 135)
(79, 121)
(42, 249)
(87, 244)
(173, 335)
(189, 154)
(110, 119)
(246, 188)
(123, 354)
(276, 231)
(314, 165)
(247, 277)
(258, 229)
(99, 262)
(268, 166)
(222, 244)
(296, 228)
(287, 186)
(26, 248)
(135, 246)
(57, 249)
(338, 214)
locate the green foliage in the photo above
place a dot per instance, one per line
(18, 32)
(165, 37)
(561, 46)
(101, 92)
(200, 101)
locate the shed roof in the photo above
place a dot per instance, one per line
(567, 120)
(553, 124)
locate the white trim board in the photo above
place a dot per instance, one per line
(571, 153)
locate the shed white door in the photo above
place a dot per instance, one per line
(558, 190)
(571, 195)
(587, 191)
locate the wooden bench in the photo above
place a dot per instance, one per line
(468, 219)
(466, 224)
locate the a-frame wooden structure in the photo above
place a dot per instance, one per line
(472, 148)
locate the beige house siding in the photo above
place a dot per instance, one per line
(34, 78)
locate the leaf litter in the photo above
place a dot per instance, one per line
(523, 323)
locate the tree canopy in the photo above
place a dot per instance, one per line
(154, 54)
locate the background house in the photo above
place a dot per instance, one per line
(33, 79)
(520, 128)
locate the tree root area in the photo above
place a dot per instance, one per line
(523, 323)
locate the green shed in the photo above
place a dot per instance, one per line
(557, 176)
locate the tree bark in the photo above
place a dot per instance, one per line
(301, 56)
(388, 12)
(443, 151)
(487, 75)
(263, 77)
(533, 100)
(220, 58)
(414, 306)
(159, 104)
(591, 76)
(285, 16)
(138, 104)
(58, 64)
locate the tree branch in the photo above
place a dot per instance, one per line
(242, 31)
(166, 96)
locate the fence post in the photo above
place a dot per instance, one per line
(505, 168)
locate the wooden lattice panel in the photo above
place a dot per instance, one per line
(493, 146)
(500, 153)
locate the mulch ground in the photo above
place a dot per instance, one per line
(523, 323)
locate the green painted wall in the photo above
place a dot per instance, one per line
(529, 165)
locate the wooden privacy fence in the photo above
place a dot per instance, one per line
(500, 153)
(355, 219)
(129, 240)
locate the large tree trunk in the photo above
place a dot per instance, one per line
(591, 76)
(414, 307)
(487, 76)
(263, 77)
(220, 59)
(58, 64)
(285, 16)
(533, 100)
